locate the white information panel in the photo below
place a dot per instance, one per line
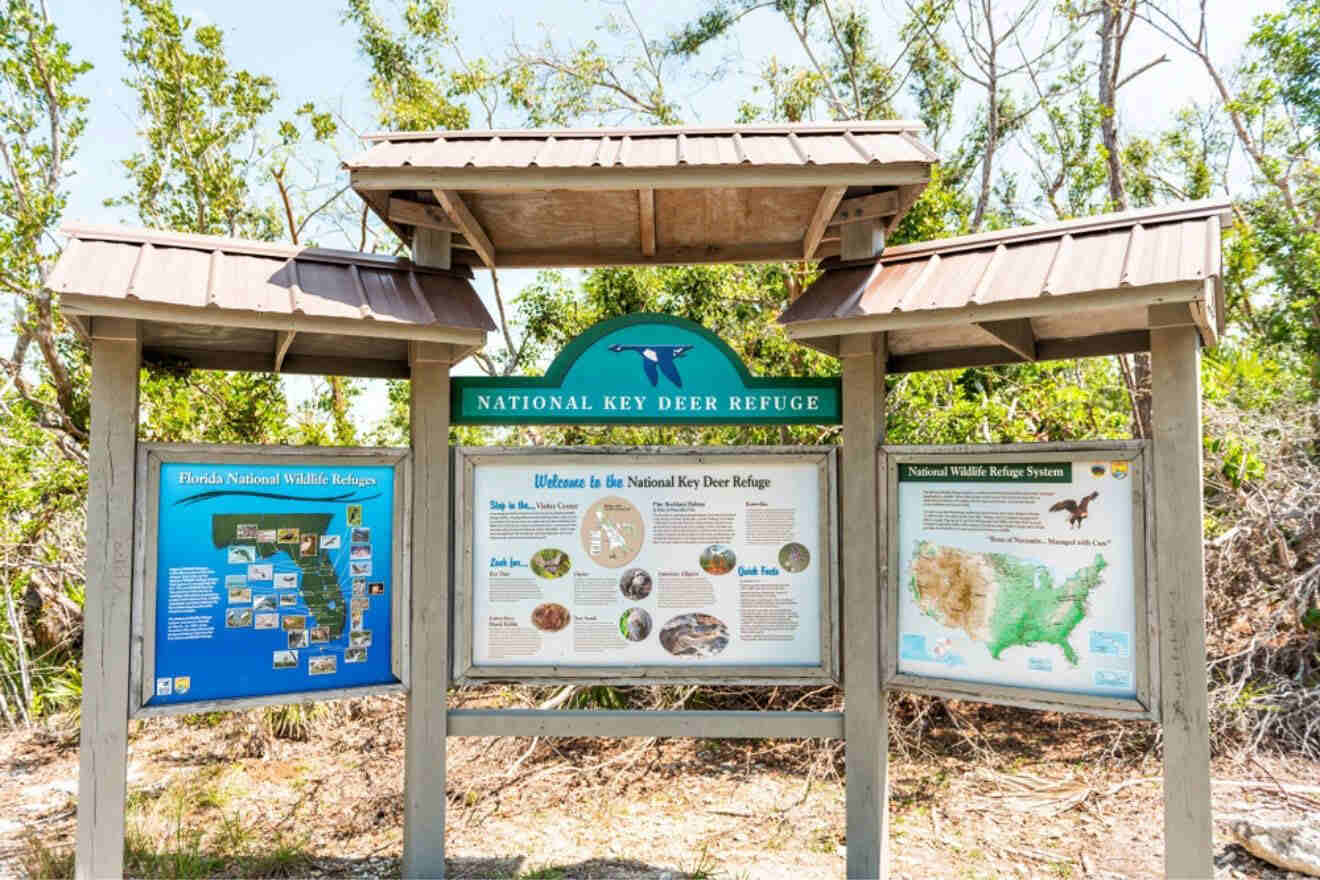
(1022, 570)
(674, 565)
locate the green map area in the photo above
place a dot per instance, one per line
(319, 585)
(1002, 600)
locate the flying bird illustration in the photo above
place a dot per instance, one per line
(1076, 509)
(657, 359)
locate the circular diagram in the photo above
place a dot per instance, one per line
(551, 563)
(612, 532)
(635, 584)
(694, 635)
(794, 557)
(718, 559)
(550, 617)
(635, 624)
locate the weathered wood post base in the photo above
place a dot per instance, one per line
(103, 742)
(866, 715)
(424, 762)
(1180, 579)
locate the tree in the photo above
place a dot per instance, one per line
(211, 143)
(41, 121)
(43, 401)
(847, 74)
(1272, 104)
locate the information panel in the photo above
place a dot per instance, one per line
(694, 565)
(1021, 569)
(269, 575)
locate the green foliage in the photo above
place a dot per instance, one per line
(1276, 115)
(409, 81)
(37, 80)
(198, 118)
(203, 406)
(1027, 403)
(846, 74)
(1241, 462)
(41, 861)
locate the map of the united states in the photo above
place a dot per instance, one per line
(1002, 600)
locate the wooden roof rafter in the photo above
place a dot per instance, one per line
(644, 196)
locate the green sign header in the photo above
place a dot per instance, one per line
(646, 369)
(1006, 472)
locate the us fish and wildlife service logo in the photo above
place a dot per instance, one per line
(1119, 469)
(182, 684)
(658, 360)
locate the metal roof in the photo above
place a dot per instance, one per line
(598, 197)
(854, 143)
(1073, 280)
(213, 296)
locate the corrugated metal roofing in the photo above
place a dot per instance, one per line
(854, 143)
(644, 196)
(1071, 280)
(103, 268)
(1130, 249)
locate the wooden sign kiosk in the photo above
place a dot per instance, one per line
(1135, 282)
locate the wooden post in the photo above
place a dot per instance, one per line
(866, 714)
(861, 240)
(432, 247)
(107, 611)
(1180, 580)
(424, 761)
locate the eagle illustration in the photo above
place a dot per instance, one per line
(658, 358)
(1076, 509)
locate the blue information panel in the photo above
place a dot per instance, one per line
(271, 579)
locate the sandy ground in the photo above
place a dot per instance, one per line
(1028, 803)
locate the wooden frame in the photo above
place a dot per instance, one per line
(146, 514)
(1146, 703)
(467, 459)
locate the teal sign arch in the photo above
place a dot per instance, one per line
(646, 369)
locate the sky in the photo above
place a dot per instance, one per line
(306, 48)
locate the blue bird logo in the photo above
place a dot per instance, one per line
(658, 359)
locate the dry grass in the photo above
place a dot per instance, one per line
(1263, 574)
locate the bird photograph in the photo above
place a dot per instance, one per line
(1077, 510)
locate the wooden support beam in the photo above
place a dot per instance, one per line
(421, 215)
(1016, 335)
(1174, 314)
(432, 247)
(862, 240)
(907, 197)
(1180, 585)
(876, 205)
(1198, 313)
(866, 717)
(293, 364)
(683, 722)
(453, 203)
(107, 612)
(428, 646)
(829, 200)
(1123, 342)
(1205, 312)
(283, 339)
(646, 220)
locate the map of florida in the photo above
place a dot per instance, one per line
(319, 584)
(1001, 600)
